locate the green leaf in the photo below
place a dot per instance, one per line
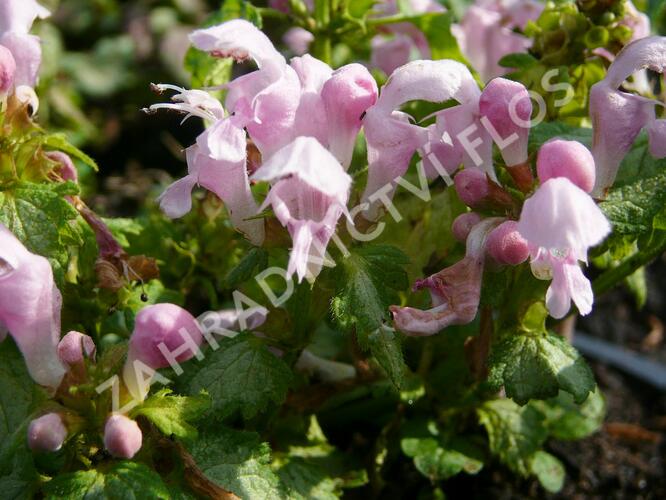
(548, 470)
(303, 481)
(520, 60)
(569, 421)
(255, 261)
(436, 457)
(538, 366)
(515, 433)
(366, 287)
(126, 480)
(359, 8)
(39, 216)
(238, 462)
(172, 414)
(60, 142)
(385, 346)
(639, 163)
(632, 208)
(19, 397)
(241, 376)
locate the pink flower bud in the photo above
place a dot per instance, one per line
(506, 105)
(72, 347)
(66, 168)
(472, 186)
(168, 325)
(570, 159)
(122, 436)
(506, 246)
(47, 433)
(463, 224)
(7, 70)
(477, 190)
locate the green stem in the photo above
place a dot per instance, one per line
(379, 21)
(322, 46)
(626, 268)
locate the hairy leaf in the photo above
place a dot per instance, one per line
(127, 480)
(241, 376)
(515, 433)
(538, 366)
(172, 414)
(238, 462)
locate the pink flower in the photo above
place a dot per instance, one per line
(392, 140)
(506, 245)
(122, 437)
(570, 159)
(561, 222)
(164, 334)
(30, 308)
(487, 33)
(263, 101)
(618, 117)
(7, 71)
(463, 224)
(47, 433)
(507, 107)
(216, 162)
(309, 193)
(455, 291)
(16, 18)
(346, 95)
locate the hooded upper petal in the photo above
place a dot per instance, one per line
(560, 216)
(618, 117)
(392, 140)
(30, 308)
(18, 15)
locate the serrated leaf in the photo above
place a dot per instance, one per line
(126, 480)
(304, 481)
(238, 462)
(241, 376)
(633, 207)
(386, 347)
(60, 142)
(255, 261)
(569, 421)
(19, 397)
(437, 29)
(548, 470)
(366, 287)
(436, 458)
(39, 216)
(538, 366)
(515, 433)
(639, 163)
(172, 414)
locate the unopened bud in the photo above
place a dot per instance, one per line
(463, 224)
(508, 108)
(72, 347)
(506, 245)
(122, 436)
(166, 324)
(477, 190)
(569, 159)
(7, 71)
(47, 433)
